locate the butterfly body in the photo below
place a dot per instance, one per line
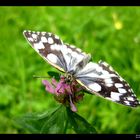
(98, 78)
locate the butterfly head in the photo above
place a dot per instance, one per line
(69, 78)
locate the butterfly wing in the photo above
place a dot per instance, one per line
(44, 43)
(102, 80)
(50, 47)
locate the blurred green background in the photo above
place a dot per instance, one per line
(111, 34)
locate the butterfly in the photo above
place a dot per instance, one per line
(97, 78)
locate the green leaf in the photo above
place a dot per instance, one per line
(55, 121)
(54, 75)
(79, 124)
(49, 122)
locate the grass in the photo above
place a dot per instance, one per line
(108, 33)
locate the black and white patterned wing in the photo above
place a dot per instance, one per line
(50, 47)
(102, 80)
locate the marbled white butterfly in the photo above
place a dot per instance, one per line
(97, 78)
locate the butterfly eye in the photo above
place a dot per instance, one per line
(69, 77)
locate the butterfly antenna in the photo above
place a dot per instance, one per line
(35, 76)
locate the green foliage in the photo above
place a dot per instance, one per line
(47, 122)
(79, 124)
(108, 33)
(55, 121)
(54, 75)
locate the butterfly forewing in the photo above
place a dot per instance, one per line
(47, 46)
(64, 57)
(102, 80)
(120, 91)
